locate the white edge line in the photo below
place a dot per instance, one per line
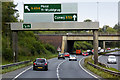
(58, 70)
(85, 69)
(22, 73)
(99, 57)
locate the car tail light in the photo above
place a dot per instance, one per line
(34, 63)
(45, 63)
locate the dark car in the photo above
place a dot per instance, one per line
(61, 55)
(40, 64)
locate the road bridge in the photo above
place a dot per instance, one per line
(67, 41)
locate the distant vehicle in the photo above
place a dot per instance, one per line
(61, 55)
(73, 58)
(85, 53)
(40, 64)
(78, 51)
(111, 59)
(89, 51)
(93, 50)
(67, 54)
(69, 33)
(102, 50)
(116, 48)
(99, 48)
(108, 48)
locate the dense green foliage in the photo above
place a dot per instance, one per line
(84, 45)
(29, 46)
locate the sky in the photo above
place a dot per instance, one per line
(103, 11)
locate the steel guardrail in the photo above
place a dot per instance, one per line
(14, 64)
(105, 70)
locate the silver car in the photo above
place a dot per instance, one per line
(112, 59)
(73, 58)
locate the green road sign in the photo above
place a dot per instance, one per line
(27, 26)
(42, 8)
(65, 17)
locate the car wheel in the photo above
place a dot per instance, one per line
(46, 68)
(33, 68)
(63, 58)
(58, 58)
(69, 60)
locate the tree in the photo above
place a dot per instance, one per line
(105, 28)
(9, 14)
(87, 20)
(100, 30)
(110, 30)
(117, 27)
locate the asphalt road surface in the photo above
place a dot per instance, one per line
(103, 59)
(59, 70)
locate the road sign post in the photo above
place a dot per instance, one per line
(95, 45)
(15, 46)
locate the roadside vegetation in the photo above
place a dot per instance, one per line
(29, 47)
(99, 72)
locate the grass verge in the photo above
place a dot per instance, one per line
(99, 72)
(13, 68)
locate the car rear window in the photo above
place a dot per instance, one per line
(72, 55)
(61, 54)
(40, 60)
(112, 57)
(85, 53)
(66, 53)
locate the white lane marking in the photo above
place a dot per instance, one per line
(22, 73)
(58, 70)
(85, 69)
(99, 58)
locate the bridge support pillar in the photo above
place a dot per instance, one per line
(95, 45)
(15, 46)
(64, 44)
(104, 45)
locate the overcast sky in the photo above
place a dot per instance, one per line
(106, 11)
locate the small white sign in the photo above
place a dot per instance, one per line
(58, 49)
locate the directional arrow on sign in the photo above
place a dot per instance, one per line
(74, 16)
(26, 7)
